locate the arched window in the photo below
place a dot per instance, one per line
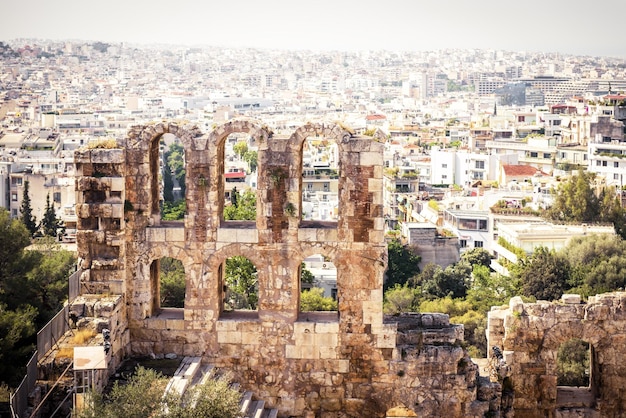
(318, 288)
(172, 155)
(240, 286)
(320, 179)
(168, 285)
(574, 367)
(239, 181)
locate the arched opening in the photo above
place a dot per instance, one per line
(318, 288)
(168, 286)
(172, 154)
(320, 179)
(239, 181)
(171, 283)
(574, 365)
(240, 286)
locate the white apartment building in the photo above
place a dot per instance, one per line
(527, 236)
(442, 165)
(471, 227)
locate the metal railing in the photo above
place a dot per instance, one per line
(46, 338)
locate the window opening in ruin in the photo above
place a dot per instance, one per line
(575, 380)
(240, 178)
(171, 283)
(573, 361)
(318, 285)
(240, 284)
(320, 179)
(172, 163)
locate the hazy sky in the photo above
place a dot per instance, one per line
(576, 27)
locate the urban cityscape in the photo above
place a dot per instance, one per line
(453, 218)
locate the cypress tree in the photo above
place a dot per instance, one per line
(50, 224)
(27, 212)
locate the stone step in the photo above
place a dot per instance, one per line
(184, 376)
(270, 413)
(246, 399)
(256, 409)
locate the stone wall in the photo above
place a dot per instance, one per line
(339, 364)
(530, 335)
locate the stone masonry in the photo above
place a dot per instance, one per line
(350, 363)
(530, 335)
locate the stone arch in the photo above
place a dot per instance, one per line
(215, 265)
(216, 147)
(143, 144)
(148, 268)
(296, 144)
(328, 251)
(553, 338)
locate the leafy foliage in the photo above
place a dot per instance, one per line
(242, 207)
(400, 299)
(598, 263)
(172, 281)
(314, 300)
(174, 211)
(242, 283)
(573, 363)
(305, 275)
(576, 201)
(33, 287)
(16, 344)
(402, 264)
(142, 396)
(544, 275)
(476, 256)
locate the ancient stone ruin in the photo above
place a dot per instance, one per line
(530, 335)
(350, 363)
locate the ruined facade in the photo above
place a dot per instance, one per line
(334, 364)
(531, 334)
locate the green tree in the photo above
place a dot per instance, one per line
(244, 208)
(572, 365)
(598, 263)
(142, 396)
(46, 285)
(242, 283)
(451, 281)
(51, 225)
(252, 158)
(575, 200)
(14, 238)
(26, 211)
(476, 256)
(17, 331)
(240, 148)
(314, 300)
(175, 158)
(215, 399)
(400, 299)
(172, 282)
(402, 264)
(174, 211)
(305, 275)
(544, 275)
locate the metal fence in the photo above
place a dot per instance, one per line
(52, 332)
(74, 286)
(46, 338)
(19, 399)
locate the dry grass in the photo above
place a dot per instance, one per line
(109, 143)
(82, 336)
(65, 352)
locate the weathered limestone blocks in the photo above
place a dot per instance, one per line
(353, 363)
(531, 334)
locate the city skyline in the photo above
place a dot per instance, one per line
(551, 27)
